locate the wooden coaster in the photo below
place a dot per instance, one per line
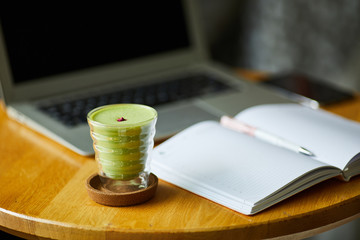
(108, 198)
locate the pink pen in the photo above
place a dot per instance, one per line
(239, 126)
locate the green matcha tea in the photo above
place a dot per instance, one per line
(123, 139)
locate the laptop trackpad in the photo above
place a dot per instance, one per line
(175, 118)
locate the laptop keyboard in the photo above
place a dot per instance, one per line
(74, 112)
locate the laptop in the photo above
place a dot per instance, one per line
(56, 64)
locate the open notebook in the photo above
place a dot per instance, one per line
(249, 175)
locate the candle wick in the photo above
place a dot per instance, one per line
(121, 119)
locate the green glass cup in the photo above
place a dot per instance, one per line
(123, 139)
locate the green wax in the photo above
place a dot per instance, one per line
(134, 115)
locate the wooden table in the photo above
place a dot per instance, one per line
(42, 193)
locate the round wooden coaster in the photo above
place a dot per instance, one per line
(108, 198)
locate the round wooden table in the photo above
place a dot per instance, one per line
(43, 194)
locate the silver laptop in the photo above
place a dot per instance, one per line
(57, 65)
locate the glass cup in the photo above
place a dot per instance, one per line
(123, 139)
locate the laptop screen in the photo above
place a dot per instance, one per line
(48, 41)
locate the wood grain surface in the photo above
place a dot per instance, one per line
(43, 195)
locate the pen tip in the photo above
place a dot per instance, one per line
(305, 151)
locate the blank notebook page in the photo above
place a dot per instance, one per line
(214, 157)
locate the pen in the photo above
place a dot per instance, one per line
(239, 126)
